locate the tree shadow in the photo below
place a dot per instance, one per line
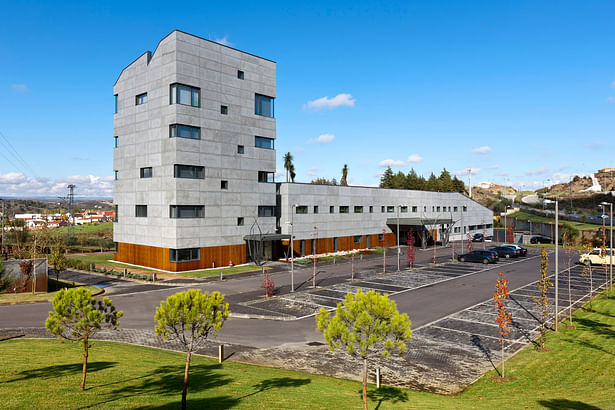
(276, 383)
(169, 381)
(476, 341)
(563, 404)
(387, 393)
(220, 402)
(61, 370)
(595, 327)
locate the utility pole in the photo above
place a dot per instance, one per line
(314, 252)
(292, 248)
(556, 262)
(2, 249)
(470, 181)
(71, 197)
(398, 249)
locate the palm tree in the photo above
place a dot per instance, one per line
(292, 173)
(288, 164)
(344, 180)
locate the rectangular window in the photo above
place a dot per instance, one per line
(335, 245)
(357, 238)
(371, 209)
(404, 209)
(265, 176)
(184, 131)
(263, 105)
(141, 211)
(263, 142)
(382, 209)
(185, 95)
(186, 211)
(240, 74)
(115, 174)
(224, 109)
(266, 211)
(437, 209)
(465, 208)
(115, 100)
(301, 209)
(145, 172)
(240, 221)
(116, 141)
(115, 213)
(141, 99)
(455, 209)
(223, 184)
(390, 209)
(184, 255)
(331, 209)
(415, 209)
(358, 209)
(344, 209)
(188, 171)
(381, 237)
(433, 209)
(240, 149)
(424, 209)
(315, 209)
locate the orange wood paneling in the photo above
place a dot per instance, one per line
(344, 243)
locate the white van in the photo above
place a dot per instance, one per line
(594, 258)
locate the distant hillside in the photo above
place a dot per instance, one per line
(34, 206)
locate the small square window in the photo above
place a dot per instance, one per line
(301, 209)
(358, 209)
(390, 209)
(344, 209)
(381, 237)
(331, 209)
(315, 209)
(358, 238)
(145, 172)
(224, 109)
(141, 211)
(240, 74)
(404, 209)
(414, 209)
(240, 221)
(223, 184)
(141, 99)
(240, 149)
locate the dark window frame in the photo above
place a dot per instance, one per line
(140, 211)
(358, 209)
(194, 254)
(258, 105)
(344, 209)
(266, 177)
(266, 211)
(197, 171)
(240, 74)
(224, 184)
(143, 172)
(224, 109)
(175, 211)
(264, 142)
(301, 209)
(174, 95)
(241, 149)
(140, 99)
(176, 129)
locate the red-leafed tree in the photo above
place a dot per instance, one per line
(410, 252)
(510, 237)
(503, 317)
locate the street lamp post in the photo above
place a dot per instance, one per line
(292, 248)
(548, 201)
(398, 250)
(314, 259)
(505, 224)
(610, 244)
(2, 250)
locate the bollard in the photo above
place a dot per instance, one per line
(220, 353)
(221, 278)
(90, 267)
(377, 377)
(213, 264)
(125, 270)
(361, 256)
(154, 277)
(334, 260)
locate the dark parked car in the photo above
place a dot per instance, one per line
(521, 249)
(506, 251)
(478, 237)
(540, 239)
(478, 256)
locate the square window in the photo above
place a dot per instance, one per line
(141, 99)
(357, 238)
(240, 221)
(145, 172)
(185, 95)
(414, 209)
(223, 184)
(224, 109)
(381, 237)
(141, 211)
(358, 209)
(240, 74)
(390, 209)
(301, 209)
(240, 149)
(344, 209)
(404, 209)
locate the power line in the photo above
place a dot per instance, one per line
(18, 156)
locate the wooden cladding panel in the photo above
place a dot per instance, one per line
(158, 258)
(344, 243)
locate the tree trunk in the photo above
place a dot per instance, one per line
(502, 360)
(364, 384)
(85, 363)
(185, 390)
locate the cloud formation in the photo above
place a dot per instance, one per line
(313, 172)
(493, 167)
(224, 41)
(391, 163)
(331, 103)
(322, 138)
(465, 171)
(597, 145)
(538, 171)
(482, 150)
(20, 185)
(20, 87)
(414, 158)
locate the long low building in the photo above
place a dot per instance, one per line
(194, 164)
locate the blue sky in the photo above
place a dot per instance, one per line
(520, 92)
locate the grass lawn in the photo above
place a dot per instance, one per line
(106, 259)
(577, 372)
(88, 229)
(524, 216)
(25, 297)
(216, 271)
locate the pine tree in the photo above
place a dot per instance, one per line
(386, 180)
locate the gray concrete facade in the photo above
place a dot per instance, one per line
(142, 132)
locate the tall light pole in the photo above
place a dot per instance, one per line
(610, 244)
(314, 259)
(292, 248)
(549, 201)
(2, 250)
(505, 225)
(398, 250)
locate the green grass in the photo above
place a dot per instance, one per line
(28, 297)
(106, 259)
(577, 372)
(524, 216)
(106, 227)
(216, 272)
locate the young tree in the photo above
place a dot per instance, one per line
(189, 318)
(366, 323)
(5, 281)
(570, 252)
(603, 254)
(78, 317)
(569, 234)
(344, 180)
(542, 300)
(587, 272)
(503, 317)
(288, 164)
(57, 257)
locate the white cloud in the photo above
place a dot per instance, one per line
(598, 145)
(17, 184)
(464, 172)
(298, 150)
(224, 41)
(330, 103)
(482, 150)
(494, 167)
(613, 84)
(279, 174)
(538, 171)
(610, 99)
(414, 158)
(322, 138)
(313, 172)
(561, 177)
(391, 163)
(20, 87)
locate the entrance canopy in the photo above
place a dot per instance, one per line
(267, 237)
(419, 221)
